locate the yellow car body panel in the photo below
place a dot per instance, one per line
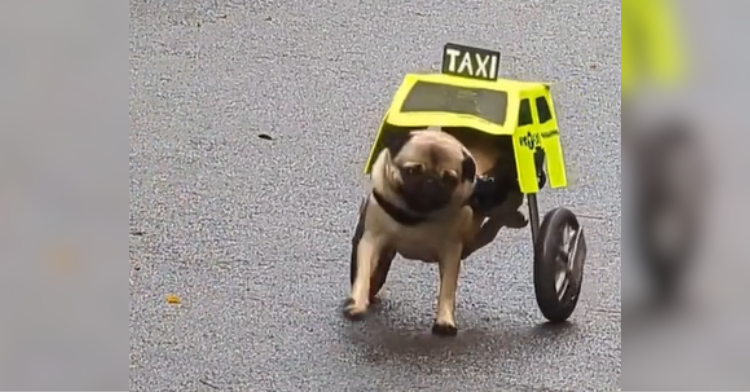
(526, 138)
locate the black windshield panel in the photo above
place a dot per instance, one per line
(490, 105)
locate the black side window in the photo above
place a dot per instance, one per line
(524, 113)
(542, 109)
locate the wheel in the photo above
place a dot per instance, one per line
(384, 262)
(667, 221)
(559, 255)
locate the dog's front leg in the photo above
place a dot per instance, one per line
(368, 251)
(450, 267)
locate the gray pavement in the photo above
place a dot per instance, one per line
(254, 234)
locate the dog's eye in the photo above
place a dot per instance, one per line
(412, 170)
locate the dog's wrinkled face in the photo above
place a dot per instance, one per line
(429, 170)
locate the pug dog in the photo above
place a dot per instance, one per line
(422, 183)
(436, 193)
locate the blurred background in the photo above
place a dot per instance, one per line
(63, 275)
(685, 290)
(685, 274)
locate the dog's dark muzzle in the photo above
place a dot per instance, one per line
(426, 195)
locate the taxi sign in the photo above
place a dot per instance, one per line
(470, 62)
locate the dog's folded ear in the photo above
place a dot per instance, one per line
(468, 168)
(396, 140)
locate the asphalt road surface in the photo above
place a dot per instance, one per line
(253, 234)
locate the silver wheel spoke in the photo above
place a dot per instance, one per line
(564, 262)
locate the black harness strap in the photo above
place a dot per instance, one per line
(398, 214)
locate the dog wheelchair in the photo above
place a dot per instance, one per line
(510, 126)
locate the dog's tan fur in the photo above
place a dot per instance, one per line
(448, 236)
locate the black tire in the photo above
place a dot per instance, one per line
(384, 263)
(557, 308)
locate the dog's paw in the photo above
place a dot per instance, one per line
(352, 311)
(444, 329)
(516, 220)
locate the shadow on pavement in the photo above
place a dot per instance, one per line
(388, 335)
